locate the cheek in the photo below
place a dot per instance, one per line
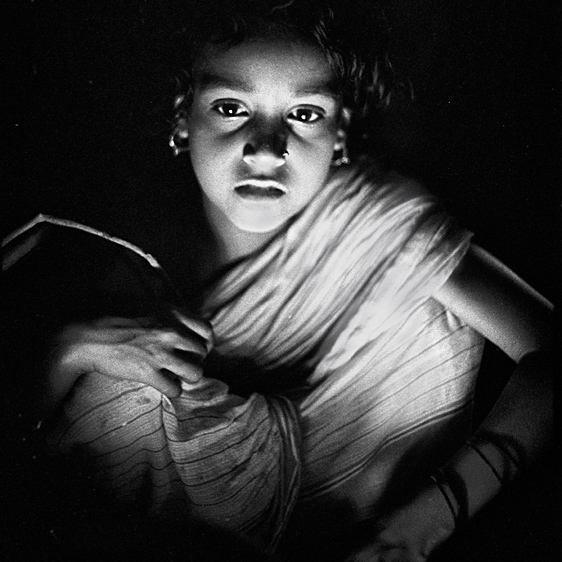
(316, 161)
(209, 155)
(320, 147)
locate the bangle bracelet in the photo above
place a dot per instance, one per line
(473, 446)
(439, 479)
(487, 437)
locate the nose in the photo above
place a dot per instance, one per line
(266, 150)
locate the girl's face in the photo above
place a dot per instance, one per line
(263, 127)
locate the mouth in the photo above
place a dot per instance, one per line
(256, 189)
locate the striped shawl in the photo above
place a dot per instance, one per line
(364, 380)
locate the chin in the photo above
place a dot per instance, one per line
(260, 224)
(260, 227)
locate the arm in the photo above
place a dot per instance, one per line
(154, 351)
(494, 301)
(489, 297)
(499, 305)
(204, 452)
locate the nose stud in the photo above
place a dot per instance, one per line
(285, 154)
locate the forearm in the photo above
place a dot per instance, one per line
(512, 436)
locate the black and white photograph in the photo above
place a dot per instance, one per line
(280, 281)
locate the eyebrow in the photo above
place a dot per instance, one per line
(210, 80)
(323, 88)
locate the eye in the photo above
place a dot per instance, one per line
(230, 109)
(305, 115)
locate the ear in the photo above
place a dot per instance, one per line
(179, 139)
(182, 128)
(341, 135)
(182, 106)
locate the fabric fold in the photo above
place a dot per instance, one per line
(338, 306)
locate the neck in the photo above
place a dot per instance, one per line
(232, 242)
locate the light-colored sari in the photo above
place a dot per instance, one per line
(371, 379)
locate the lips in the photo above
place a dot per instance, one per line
(257, 189)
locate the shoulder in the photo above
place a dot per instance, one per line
(369, 175)
(492, 299)
(390, 201)
(368, 188)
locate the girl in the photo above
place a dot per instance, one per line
(328, 371)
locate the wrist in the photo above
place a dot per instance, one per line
(475, 475)
(456, 509)
(473, 482)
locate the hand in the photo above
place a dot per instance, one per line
(410, 533)
(157, 351)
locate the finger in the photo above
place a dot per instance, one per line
(169, 383)
(191, 343)
(197, 325)
(190, 371)
(156, 349)
(141, 372)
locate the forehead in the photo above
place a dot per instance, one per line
(296, 66)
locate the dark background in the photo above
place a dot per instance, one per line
(90, 86)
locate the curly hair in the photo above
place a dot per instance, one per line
(352, 34)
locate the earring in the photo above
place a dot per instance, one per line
(179, 139)
(341, 156)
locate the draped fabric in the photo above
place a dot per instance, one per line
(364, 379)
